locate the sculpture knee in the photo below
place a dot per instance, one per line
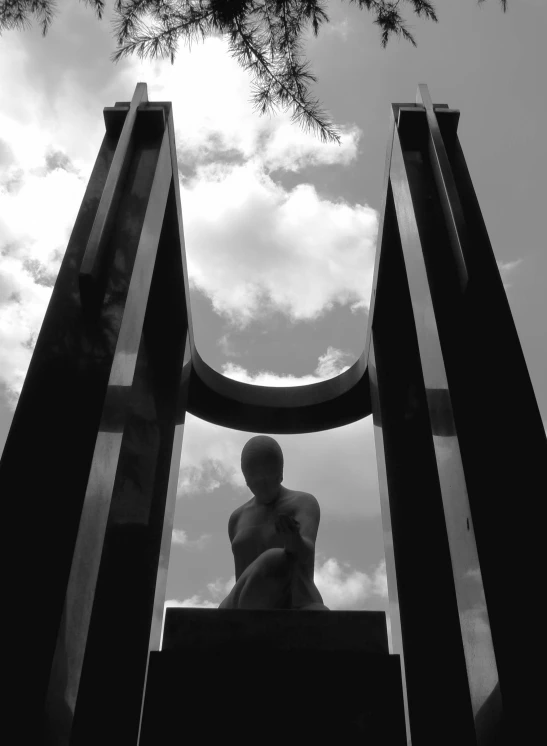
(273, 563)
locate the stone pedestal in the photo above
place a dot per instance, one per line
(255, 677)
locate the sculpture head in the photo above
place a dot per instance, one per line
(262, 467)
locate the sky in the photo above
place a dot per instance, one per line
(280, 235)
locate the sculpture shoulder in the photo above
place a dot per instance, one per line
(305, 501)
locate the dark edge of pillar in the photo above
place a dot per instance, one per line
(504, 451)
(395, 638)
(434, 664)
(117, 650)
(117, 324)
(46, 460)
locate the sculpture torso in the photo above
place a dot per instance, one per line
(255, 529)
(255, 534)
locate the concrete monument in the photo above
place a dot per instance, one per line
(273, 537)
(101, 418)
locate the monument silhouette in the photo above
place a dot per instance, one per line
(89, 475)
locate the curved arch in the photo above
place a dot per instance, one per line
(271, 409)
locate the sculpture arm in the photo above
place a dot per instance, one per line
(302, 542)
(232, 529)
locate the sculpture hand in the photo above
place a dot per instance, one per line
(289, 528)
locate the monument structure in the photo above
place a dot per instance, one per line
(89, 473)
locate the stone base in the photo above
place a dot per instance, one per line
(257, 677)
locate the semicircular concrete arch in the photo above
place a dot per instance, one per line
(271, 409)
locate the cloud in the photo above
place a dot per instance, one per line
(208, 470)
(180, 538)
(211, 104)
(341, 587)
(70, 69)
(22, 306)
(56, 87)
(6, 155)
(345, 588)
(341, 29)
(216, 592)
(329, 366)
(379, 580)
(37, 209)
(56, 159)
(194, 602)
(252, 245)
(227, 347)
(289, 149)
(254, 248)
(219, 589)
(506, 271)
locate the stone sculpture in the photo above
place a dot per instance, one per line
(273, 537)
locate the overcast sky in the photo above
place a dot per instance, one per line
(280, 234)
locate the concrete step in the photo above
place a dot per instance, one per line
(205, 629)
(265, 677)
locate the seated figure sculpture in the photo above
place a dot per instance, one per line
(273, 537)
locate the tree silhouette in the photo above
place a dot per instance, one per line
(265, 36)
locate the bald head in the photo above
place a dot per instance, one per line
(262, 467)
(261, 451)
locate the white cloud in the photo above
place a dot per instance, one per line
(227, 346)
(37, 210)
(345, 588)
(22, 306)
(211, 105)
(341, 587)
(194, 602)
(70, 70)
(254, 247)
(379, 580)
(220, 588)
(329, 366)
(217, 592)
(180, 537)
(208, 452)
(292, 149)
(341, 29)
(506, 271)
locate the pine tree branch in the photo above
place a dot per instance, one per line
(159, 41)
(265, 37)
(308, 113)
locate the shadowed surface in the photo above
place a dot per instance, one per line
(274, 677)
(207, 629)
